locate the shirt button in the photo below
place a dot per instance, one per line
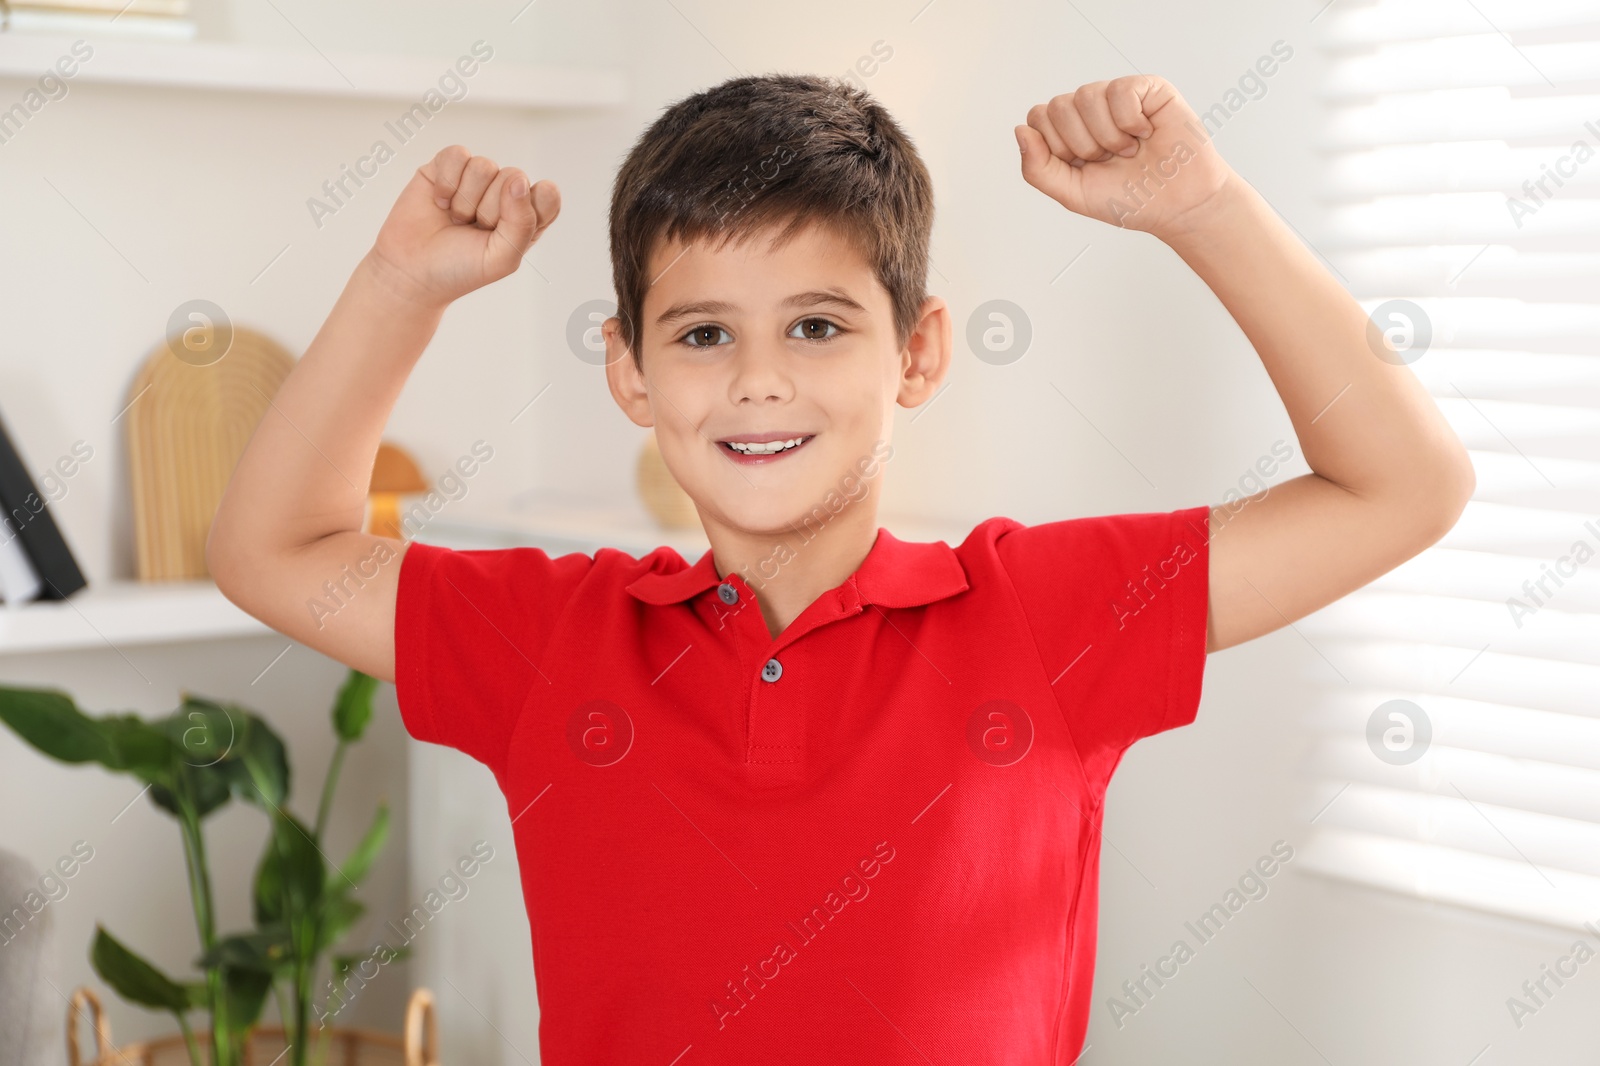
(772, 671)
(727, 593)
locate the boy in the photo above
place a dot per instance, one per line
(858, 823)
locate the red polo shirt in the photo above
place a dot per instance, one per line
(874, 839)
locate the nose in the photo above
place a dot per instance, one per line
(761, 372)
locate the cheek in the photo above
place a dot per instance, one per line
(679, 407)
(862, 399)
(679, 396)
(677, 437)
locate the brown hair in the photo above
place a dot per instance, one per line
(760, 151)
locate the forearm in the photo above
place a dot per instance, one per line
(307, 468)
(1365, 424)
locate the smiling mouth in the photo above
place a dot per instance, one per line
(764, 449)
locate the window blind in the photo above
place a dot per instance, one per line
(1463, 178)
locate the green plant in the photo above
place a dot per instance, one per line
(194, 761)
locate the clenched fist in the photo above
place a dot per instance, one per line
(1128, 151)
(460, 223)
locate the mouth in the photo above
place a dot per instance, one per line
(752, 448)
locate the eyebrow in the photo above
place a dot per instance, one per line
(835, 297)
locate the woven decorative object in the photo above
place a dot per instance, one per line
(188, 422)
(662, 495)
(419, 1046)
(394, 473)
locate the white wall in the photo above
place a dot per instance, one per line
(202, 192)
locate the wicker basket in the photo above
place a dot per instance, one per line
(345, 1046)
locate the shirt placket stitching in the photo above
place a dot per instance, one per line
(767, 649)
(764, 716)
(727, 618)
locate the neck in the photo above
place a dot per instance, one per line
(788, 572)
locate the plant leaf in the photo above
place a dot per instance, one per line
(260, 773)
(246, 992)
(203, 731)
(290, 879)
(352, 710)
(339, 913)
(136, 746)
(203, 788)
(162, 797)
(267, 893)
(341, 963)
(244, 752)
(360, 860)
(52, 723)
(206, 786)
(134, 979)
(265, 950)
(49, 720)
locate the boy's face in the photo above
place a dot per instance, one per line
(748, 341)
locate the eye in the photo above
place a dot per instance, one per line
(804, 323)
(702, 337)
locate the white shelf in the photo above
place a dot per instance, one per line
(119, 613)
(218, 65)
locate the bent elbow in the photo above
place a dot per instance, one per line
(1452, 490)
(222, 554)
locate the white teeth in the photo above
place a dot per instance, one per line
(769, 448)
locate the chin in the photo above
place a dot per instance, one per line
(775, 521)
(792, 500)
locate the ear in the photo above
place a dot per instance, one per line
(925, 360)
(627, 384)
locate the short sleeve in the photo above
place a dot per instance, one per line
(1117, 605)
(470, 633)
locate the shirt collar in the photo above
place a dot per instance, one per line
(895, 573)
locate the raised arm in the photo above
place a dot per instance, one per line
(1389, 477)
(288, 534)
